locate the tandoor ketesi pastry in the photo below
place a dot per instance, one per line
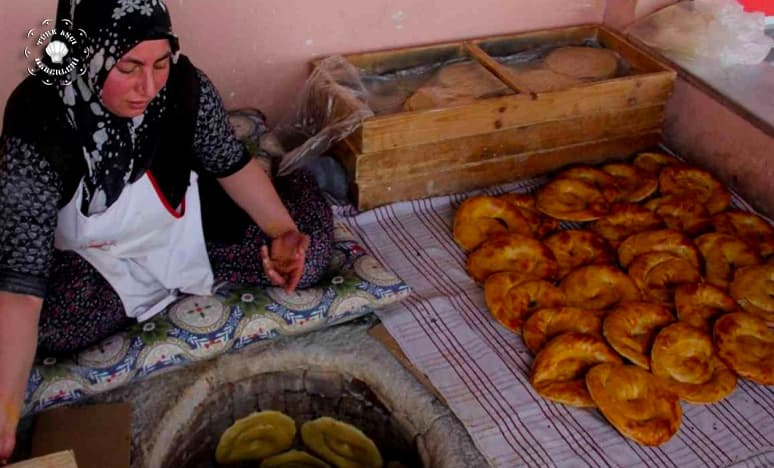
(696, 183)
(598, 287)
(541, 224)
(545, 324)
(684, 357)
(631, 327)
(477, 218)
(340, 443)
(753, 290)
(749, 227)
(511, 297)
(746, 344)
(293, 459)
(560, 367)
(635, 402)
(723, 254)
(624, 220)
(654, 162)
(604, 182)
(663, 240)
(571, 200)
(634, 184)
(256, 436)
(512, 252)
(583, 62)
(657, 274)
(700, 304)
(681, 213)
(576, 248)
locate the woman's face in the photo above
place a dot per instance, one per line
(136, 78)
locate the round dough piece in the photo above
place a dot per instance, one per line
(635, 402)
(749, 227)
(571, 200)
(663, 240)
(654, 162)
(723, 254)
(576, 248)
(258, 435)
(472, 79)
(512, 297)
(634, 184)
(700, 304)
(541, 224)
(598, 287)
(436, 97)
(696, 183)
(588, 63)
(541, 80)
(478, 218)
(545, 324)
(746, 344)
(631, 327)
(681, 213)
(512, 252)
(684, 357)
(753, 290)
(657, 274)
(340, 443)
(624, 220)
(560, 367)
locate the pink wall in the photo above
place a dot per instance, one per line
(257, 51)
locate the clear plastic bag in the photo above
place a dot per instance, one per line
(711, 32)
(321, 116)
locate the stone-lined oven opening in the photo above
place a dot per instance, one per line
(303, 395)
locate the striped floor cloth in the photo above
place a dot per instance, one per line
(482, 369)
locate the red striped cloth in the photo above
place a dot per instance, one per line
(482, 369)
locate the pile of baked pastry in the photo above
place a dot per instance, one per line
(664, 294)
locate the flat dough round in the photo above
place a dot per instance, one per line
(753, 290)
(598, 287)
(631, 327)
(541, 80)
(545, 324)
(583, 62)
(746, 344)
(560, 367)
(436, 97)
(472, 79)
(635, 402)
(684, 357)
(512, 297)
(512, 252)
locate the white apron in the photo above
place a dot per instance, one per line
(145, 249)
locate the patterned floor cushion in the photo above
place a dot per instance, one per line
(197, 328)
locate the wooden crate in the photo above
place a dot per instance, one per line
(410, 155)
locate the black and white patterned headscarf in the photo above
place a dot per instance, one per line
(117, 149)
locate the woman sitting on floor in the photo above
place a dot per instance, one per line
(127, 186)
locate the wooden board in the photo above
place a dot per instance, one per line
(499, 170)
(55, 460)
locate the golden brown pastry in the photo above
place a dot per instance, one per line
(723, 254)
(694, 182)
(477, 218)
(684, 357)
(631, 327)
(753, 290)
(604, 182)
(663, 240)
(258, 435)
(571, 200)
(700, 304)
(541, 224)
(635, 402)
(340, 443)
(511, 297)
(293, 459)
(681, 213)
(634, 184)
(746, 344)
(545, 324)
(560, 367)
(598, 287)
(512, 252)
(624, 220)
(589, 63)
(576, 248)
(654, 162)
(749, 227)
(657, 274)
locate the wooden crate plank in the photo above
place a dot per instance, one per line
(501, 170)
(433, 157)
(415, 128)
(640, 59)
